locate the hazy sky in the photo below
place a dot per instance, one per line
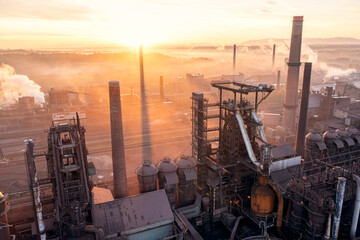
(77, 23)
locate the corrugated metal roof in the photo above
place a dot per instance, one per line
(133, 214)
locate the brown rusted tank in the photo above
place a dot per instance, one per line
(262, 197)
(4, 208)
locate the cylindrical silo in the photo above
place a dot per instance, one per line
(147, 177)
(314, 146)
(168, 178)
(186, 173)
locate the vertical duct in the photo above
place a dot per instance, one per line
(117, 141)
(34, 186)
(292, 82)
(278, 80)
(300, 136)
(273, 56)
(161, 88)
(340, 192)
(234, 59)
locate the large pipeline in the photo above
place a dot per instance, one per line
(117, 141)
(328, 228)
(259, 126)
(356, 211)
(34, 185)
(248, 146)
(339, 203)
(99, 233)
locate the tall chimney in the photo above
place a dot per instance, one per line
(273, 56)
(278, 80)
(161, 88)
(117, 141)
(234, 59)
(300, 136)
(292, 82)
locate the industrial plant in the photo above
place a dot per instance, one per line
(253, 172)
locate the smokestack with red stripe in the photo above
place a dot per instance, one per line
(291, 95)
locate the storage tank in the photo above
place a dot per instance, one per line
(314, 146)
(315, 222)
(187, 174)
(262, 197)
(333, 144)
(355, 135)
(147, 177)
(168, 179)
(4, 208)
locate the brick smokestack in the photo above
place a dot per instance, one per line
(117, 141)
(291, 95)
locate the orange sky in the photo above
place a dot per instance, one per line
(82, 23)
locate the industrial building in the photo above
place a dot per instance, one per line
(236, 184)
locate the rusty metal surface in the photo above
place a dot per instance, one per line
(133, 213)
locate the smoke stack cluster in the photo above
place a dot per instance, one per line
(291, 95)
(117, 141)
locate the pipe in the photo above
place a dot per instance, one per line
(34, 185)
(328, 228)
(100, 235)
(280, 210)
(117, 142)
(233, 232)
(300, 136)
(339, 203)
(356, 211)
(259, 126)
(247, 141)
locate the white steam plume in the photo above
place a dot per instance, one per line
(13, 86)
(330, 71)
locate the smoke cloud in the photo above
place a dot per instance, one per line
(336, 72)
(13, 86)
